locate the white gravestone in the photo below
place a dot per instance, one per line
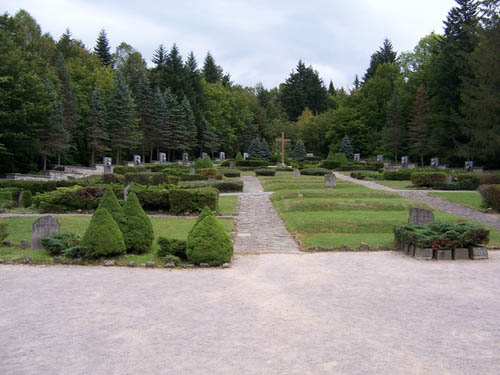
(107, 165)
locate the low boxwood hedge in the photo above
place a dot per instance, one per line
(189, 201)
(491, 196)
(171, 246)
(144, 178)
(265, 172)
(489, 178)
(428, 179)
(230, 172)
(251, 163)
(57, 242)
(401, 175)
(315, 171)
(228, 186)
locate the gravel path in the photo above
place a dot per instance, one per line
(259, 228)
(437, 203)
(338, 313)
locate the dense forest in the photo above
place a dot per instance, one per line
(64, 102)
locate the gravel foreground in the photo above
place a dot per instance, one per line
(339, 313)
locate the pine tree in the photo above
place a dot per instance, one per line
(189, 127)
(299, 151)
(393, 129)
(102, 49)
(419, 125)
(55, 138)
(385, 55)
(331, 88)
(207, 139)
(145, 111)
(211, 71)
(121, 118)
(264, 149)
(160, 135)
(346, 148)
(175, 122)
(137, 228)
(70, 107)
(174, 73)
(98, 136)
(159, 56)
(193, 88)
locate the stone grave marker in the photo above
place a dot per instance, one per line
(137, 160)
(232, 164)
(192, 171)
(163, 157)
(185, 158)
(479, 253)
(380, 158)
(330, 181)
(296, 172)
(41, 228)
(204, 155)
(404, 162)
(20, 199)
(222, 156)
(469, 166)
(107, 162)
(420, 216)
(435, 163)
(245, 155)
(357, 158)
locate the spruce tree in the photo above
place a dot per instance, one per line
(189, 126)
(98, 136)
(346, 148)
(161, 132)
(385, 55)
(159, 56)
(175, 122)
(70, 107)
(419, 125)
(254, 148)
(264, 149)
(174, 73)
(121, 118)
(145, 111)
(211, 71)
(299, 151)
(112, 205)
(393, 129)
(193, 88)
(137, 228)
(102, 49)
(55, 138)
(103, 237)
(207, 139)
(331, 88)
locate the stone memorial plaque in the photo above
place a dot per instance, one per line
(163, 157)
(296, 173)
(423, 254)
(469, 166)
(444, 254)
(404, 162)
(222, 156)
(185, 158)
(204, 155)
(357, 158)
(245, 155)
(435, 163)
(107, 165)
(137, 160)
(420, 216)
(232, 164)
(330, 181)
(380, 158)
(460, 254)
(478, 253)
(41, 228)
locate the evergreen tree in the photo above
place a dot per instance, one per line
(70, 108)
(393, 130)
(98, 136)
(207, 139)
(102, 49)
(159, 56)
(211, 71)
(419, 125)
(121, 118)
(103, 237)
(254, 148)
(160, 134)
(175, 122)
(189, 127)
(55, 138)
(137, 228)
(385, 55)
(356, 83)
(299, 151)
(194, 88)
(174, 73)
(264, 149)
(331, 88)
(346, 148)
(112, 205)
(144, 102)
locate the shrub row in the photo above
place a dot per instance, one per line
(401, 175)
(441, 235)
(315, 171)
(188, 201)
(4, 230)
(491, 196)
(428, 179)
(230, 172)
(361, 175)
(265, 172)
(153, 178)
(36, 186)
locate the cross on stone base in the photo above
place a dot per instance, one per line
(282, 140)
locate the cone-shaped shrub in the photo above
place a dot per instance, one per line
(209, 243)
(203, 214)
(103, 237)
(137, 228)
(110, 203)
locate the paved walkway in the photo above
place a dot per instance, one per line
(437, 203)
(259, 228)
(337, 313)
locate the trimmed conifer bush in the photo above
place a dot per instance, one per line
(171, 246)
(111, 203)
(103, 237)
(265, 172)
(491, 196)
(57, 242)
(203, 214)
(137, 228)
(4, 230)
(315, 171)
(209, 243)
(27, 198)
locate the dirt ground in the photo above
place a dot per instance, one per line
(340, 313)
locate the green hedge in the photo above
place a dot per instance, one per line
(315, 171)
(230, 172)
(361, 175)
(189, 201)
(467, 181)
(36, 186)
(401, 175)
(441, 235)
(251, 163)
(206, 162)
(69, 199)
(171, 246)
(428, 179)
(489, 178)
(4, 230)
(124, 170)
(491, 196)
(57, 242)
(265, 172)
(228, 186)
(113, 178)
(156, 178)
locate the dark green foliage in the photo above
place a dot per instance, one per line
(428, 179)
(152, 198)
(489, 178)
(441, 235)
(209, 173)
(299, 151)
(315, 171)
(112, 178)
(361, 175)
(171, 246)
(346, 148)
(203, 214)
(401, 175)
(239, 157)
(110, 203)
(335, 161)
(98, 136)
(189, 201)
(385, 55)
(491, 196)
(147, 178)
(36, 186)
(69, 199)
(251, 163)
(27, 199)
(265, 172)
(211, 71)
(57, 242)
(172, 259)
(102, 49)
(137, 228)
(206, 162)
(209, 243)
(4, 230)
(264, 149)
(123, 170)
(103, 237)
(230, 172)
(75, 252)
(228, 186)
(467, 181)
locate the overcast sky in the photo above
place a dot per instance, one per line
(255, 41)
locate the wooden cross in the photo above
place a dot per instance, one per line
(282, 140)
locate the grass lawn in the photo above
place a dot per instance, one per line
(227, 205)
(20, 229)
(470, 199)
(347, 215)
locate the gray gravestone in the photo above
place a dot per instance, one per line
(137, 160)
(460, 254)
(404, 162)
(449, 178)
(222, 156)
(192, 171)
(330, 181)
(107, 165)
(469, 166)
(479, 253)
(423, 254)
(380, 158)
(420, 216)
(296, 173)
(204, 155)
(20, 199)
(232, 164)
(245, 155)
(163, 157)
(357, 158)
(435, 163)
(185, 158)
(41, 228)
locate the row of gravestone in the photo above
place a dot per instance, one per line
(330, 179)
(469, 164)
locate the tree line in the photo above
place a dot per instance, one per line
(61, 102)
